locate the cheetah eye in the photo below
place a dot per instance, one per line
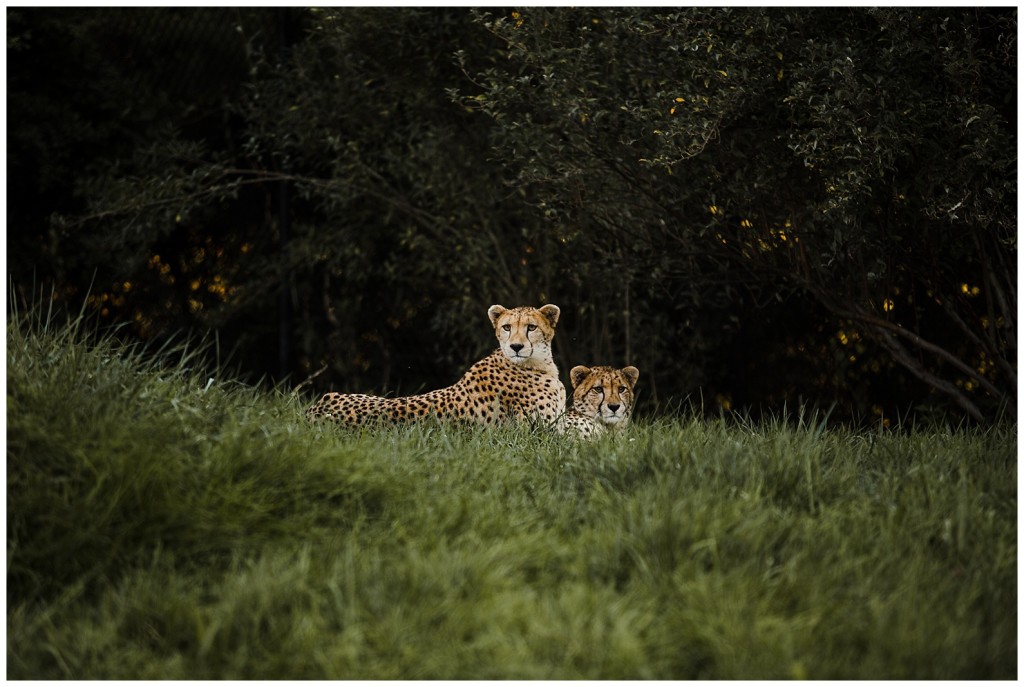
(507, 327)
(622, 389)
(530, 327)
(598, 389)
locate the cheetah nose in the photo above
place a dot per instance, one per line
(614, 407)
(516, 347)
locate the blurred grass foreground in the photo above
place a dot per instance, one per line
(163, 525)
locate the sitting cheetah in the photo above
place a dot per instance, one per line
(602, 400)
(518, 381)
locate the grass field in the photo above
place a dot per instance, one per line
(160, 525)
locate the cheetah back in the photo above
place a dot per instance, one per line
(516, 382)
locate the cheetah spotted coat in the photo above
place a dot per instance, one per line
(518, 381)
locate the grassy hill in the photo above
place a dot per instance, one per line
(161, 524)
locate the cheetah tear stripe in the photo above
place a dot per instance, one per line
(602, 400)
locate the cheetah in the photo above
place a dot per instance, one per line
(518, 381)
(602, 400)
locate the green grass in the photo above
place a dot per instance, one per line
(162, 526)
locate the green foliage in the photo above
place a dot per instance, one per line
(408, 233)
(860, 157)
(93, 94)
(165, 522)
(759, 205)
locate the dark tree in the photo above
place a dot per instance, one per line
(858, 163)
(761, 206)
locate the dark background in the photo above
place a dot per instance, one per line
(759, 208)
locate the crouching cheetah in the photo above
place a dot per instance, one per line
(602, 400)
(518, 381)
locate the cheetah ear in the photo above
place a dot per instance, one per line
(494, 312)
(577, 374)
(632, 374)
(551, 312)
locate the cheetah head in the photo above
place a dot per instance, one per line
(525, 333)
(604, 393)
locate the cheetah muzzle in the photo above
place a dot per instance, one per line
(602, 400)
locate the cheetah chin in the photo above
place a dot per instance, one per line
(602, 400)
